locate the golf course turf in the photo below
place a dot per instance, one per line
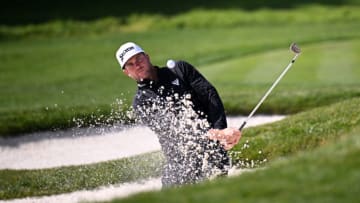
(63, 74)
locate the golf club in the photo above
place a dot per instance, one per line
(294, 48)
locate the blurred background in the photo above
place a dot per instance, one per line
(19, 12)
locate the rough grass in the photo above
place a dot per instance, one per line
(192, 18)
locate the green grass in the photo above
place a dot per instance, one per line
(194, 18)
(57, 72)
(327, 174)
(54, 78)
(315, 79)
(299, 133)
(25, 183)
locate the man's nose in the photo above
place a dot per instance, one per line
(137, 65)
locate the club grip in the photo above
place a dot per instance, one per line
(242, 126)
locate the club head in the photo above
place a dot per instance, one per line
(295, 48)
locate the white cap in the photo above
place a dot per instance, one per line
(126, 51)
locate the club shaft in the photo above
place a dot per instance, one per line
(269, 91)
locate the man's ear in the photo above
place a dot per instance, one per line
(125, 71)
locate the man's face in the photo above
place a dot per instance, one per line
(138, 67)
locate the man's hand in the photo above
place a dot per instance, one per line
(228, 137)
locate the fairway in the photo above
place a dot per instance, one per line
(56, 80)
(324, 63)
(53, 72)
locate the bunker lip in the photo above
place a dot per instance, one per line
(85, 146)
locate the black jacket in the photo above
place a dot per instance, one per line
(180, 125)
(184, 79)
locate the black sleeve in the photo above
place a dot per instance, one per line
(206, 94)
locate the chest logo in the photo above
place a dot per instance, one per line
(175, 82)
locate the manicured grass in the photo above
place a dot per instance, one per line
(299, 133)
(24, 183)
(327, 174)
(55, 73)
(312, 81)
(54, 78)
(58, 74)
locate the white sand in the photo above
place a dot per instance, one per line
(52, 149)
(62, 148)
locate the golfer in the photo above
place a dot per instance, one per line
(186, 113)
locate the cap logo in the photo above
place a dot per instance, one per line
(126, 51)
(121, 56)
